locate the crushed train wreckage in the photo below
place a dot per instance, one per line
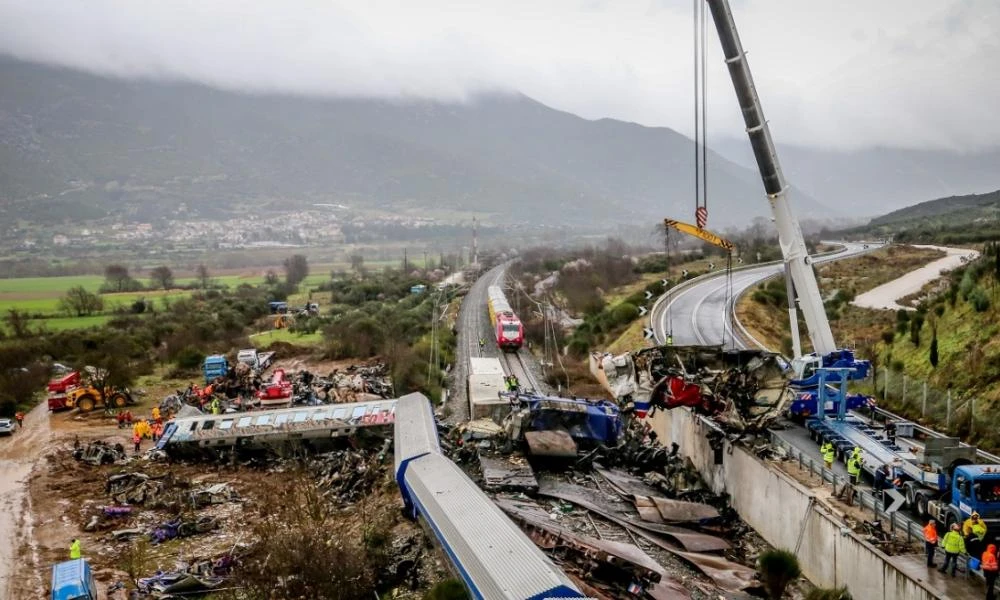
(742, 390)
(313, 428)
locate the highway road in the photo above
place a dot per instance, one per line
(700, 313)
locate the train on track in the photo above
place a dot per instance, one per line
(507, 328)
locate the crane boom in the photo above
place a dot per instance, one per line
(698, 232)
(793, 246)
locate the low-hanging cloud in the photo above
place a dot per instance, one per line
(905, 73)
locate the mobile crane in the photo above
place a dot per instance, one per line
(939, 480)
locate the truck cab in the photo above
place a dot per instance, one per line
(248, 357)
(804, 368)
(214, 366)
(976, 488)
(73, 580)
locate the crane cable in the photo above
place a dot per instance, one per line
(700, 117)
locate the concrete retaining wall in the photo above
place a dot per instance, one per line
(780, 509)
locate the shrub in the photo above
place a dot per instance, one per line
(840, 593)
(449, 589)
(979, 300)
(777, 569)
(189, 358)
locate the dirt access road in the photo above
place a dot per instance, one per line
(18, 455)
(885, 295)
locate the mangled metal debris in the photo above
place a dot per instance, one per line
(625, 568)
(99, 453)
(743, 390)
(507, 473)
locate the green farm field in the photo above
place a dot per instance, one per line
(39, 296)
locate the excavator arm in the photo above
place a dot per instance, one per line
(698, 232)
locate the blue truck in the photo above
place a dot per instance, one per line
(938, 477)
(73, 580)
(214, 366)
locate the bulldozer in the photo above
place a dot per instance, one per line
(85, 396)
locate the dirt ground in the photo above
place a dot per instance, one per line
(46, 498)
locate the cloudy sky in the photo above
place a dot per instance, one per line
(841, 74)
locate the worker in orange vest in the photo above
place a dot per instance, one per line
(990, 568)
(19, 417)
(930, 541)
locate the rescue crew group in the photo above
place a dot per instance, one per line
(965, 539)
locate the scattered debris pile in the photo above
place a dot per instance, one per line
(198, 577)
(742, 390)
(240, 389)
(346, 476)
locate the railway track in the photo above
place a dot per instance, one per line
(514, 364)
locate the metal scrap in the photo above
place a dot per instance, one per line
(619, 566)
(685, 538)
(507, 473)
(218, 493)
(744, 390)
(100, 453)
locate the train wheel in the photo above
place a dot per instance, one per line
(86, 403)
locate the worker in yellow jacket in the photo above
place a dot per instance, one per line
(954, 545)
(974, 532)
(828, 453)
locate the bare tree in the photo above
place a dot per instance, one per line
(18, 321)
(358, 263)
(203, 276)
(162, 276)
(296, 269)
(81, 302)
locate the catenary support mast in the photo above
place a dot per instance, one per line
(793, 246)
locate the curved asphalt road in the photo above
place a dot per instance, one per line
(699, 314)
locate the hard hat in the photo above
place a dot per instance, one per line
(975, 515)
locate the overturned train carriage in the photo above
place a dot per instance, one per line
(278, 431)
(488, 552)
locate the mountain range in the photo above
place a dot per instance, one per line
(875, 181)
(76, 147)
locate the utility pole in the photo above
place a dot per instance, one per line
(475, 242)
(406, 266)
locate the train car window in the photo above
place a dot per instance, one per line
(194, 425)
(244, 422)
(339, 413)
(321, 415)
(264, 420)
(226, 424)
(280, 419)
(300, 416)
(207, 425)
(358, 412)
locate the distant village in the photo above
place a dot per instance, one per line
(301, 228)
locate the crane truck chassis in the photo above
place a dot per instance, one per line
(940, 480)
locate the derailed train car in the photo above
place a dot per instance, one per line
(288, 429)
